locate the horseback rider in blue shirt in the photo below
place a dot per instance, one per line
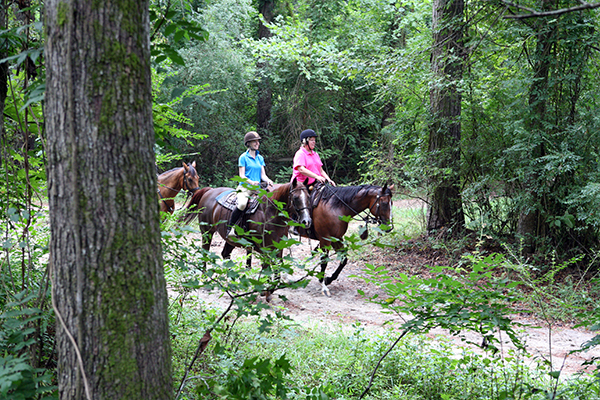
(251, 167)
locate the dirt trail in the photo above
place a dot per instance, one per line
(345, 306)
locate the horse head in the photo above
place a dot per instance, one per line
(190, 178)
(300, 202)
(381, 207)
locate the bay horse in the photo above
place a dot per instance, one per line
(172, 181)
(264, 227)
(332, 202)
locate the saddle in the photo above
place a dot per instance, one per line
(228, 199)
(316, 192)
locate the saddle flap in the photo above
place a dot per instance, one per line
(316, 194)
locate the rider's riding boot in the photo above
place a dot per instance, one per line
(235, 216)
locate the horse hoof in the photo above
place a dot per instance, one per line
(325, 291)
(268, 296)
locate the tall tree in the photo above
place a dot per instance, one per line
(445, 208)
(265, 92)
(109, 290)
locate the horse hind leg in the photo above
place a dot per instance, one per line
(227, 249)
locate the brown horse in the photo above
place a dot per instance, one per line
(331, 203)
(172, 181)
(265, 226)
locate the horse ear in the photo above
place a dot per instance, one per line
(384, 188)
(294, 182)
(305, 182)
(185, 167)
(194, 163)
(391, 187)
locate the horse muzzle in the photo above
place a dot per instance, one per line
(386, 226)
(305, 219)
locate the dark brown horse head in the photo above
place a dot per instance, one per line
(190, 178)
(300, 202)
(381, 206)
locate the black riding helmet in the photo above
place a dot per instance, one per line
(306, 134)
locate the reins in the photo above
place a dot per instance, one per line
(290, 200)
(370, 218)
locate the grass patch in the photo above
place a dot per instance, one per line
(337, 361)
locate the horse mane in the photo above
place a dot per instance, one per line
(172, 171)
(192, 205)
(339, 196)
(281, 192)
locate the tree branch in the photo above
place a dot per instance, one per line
(535, 14)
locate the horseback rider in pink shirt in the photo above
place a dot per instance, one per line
(307, 163)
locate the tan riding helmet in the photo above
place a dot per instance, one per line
(250, 136)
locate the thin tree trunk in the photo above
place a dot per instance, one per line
(106, 263)
(3, 69)
(529, 224)
(265, 91)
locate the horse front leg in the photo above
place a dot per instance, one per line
(339, 269)
(323, 279)
(275, 282)
(248, 257)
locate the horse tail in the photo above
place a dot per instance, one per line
(191, 207)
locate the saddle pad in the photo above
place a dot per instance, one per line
(228, 199)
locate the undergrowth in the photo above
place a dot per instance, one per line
(335, 362)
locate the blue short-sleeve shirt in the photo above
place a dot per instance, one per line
(253, 166)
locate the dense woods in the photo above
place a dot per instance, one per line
(487, 110)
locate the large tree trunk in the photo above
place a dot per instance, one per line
(445, 208)
(106, 261)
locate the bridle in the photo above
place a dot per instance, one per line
(375, 217)
(292, 200)
(371, 217)
(189, 190)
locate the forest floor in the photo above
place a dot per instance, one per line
(346, 307)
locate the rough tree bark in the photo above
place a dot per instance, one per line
(445, 208)
(106, 262)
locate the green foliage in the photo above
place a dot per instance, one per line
(172, 28)
(459, 300)
(224, 114)
(18, 378)
(330, 361)
(255, 378)
(169, 125)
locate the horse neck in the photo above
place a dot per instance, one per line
(280, 194)
(359, 203)
(171, 180)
